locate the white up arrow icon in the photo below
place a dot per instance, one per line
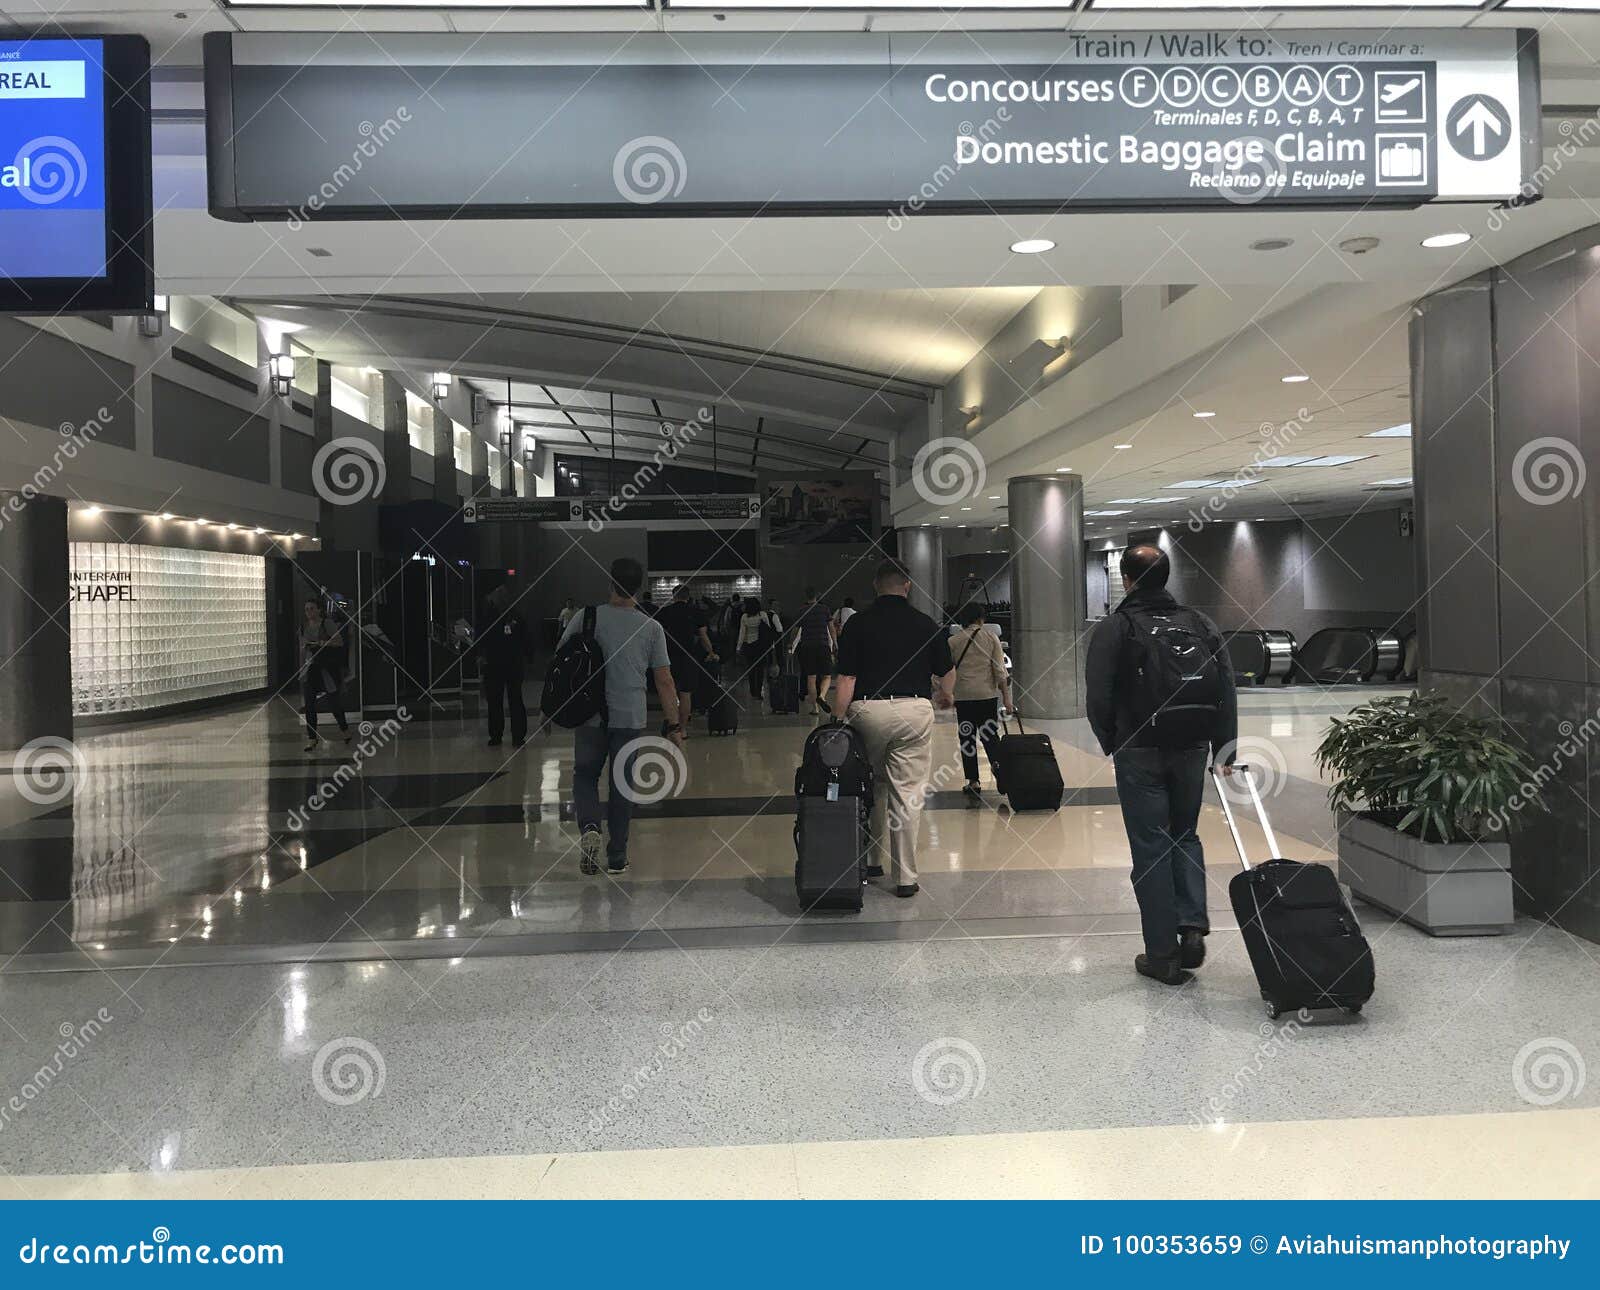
(1479, 119)
(1479, 128)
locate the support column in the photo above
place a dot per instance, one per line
(480, 467)
(508, 476)
(396, 438)
(444, 458)
(35, 636)
(922, 553)
(1047, 593)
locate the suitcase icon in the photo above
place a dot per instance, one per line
(1400, 160)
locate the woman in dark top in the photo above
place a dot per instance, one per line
(321, 670)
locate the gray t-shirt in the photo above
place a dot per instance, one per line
(632, 643)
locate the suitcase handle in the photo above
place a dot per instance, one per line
(1243, 770)
(1020, 730)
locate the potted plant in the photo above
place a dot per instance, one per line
(1423, 793)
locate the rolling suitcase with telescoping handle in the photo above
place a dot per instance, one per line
(1026, 771)
(1302, 937)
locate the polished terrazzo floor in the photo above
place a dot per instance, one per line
(195, 839)
(987, 1038)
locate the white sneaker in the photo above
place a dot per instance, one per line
(590, 848)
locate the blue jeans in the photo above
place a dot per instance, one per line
(1160, 790)
(592, 748)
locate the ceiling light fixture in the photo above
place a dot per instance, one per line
(1441, 240)
(1033, 246)
(441, 386)
(1204, 416)
(1122, 447)
(1294, 378)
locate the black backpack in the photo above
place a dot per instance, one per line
(1177, 683)
(575, 686)
(834, 764)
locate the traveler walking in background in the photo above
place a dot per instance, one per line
(842, 615)
(1160, 700)
(567, 610)
(634, 647)
(321, 670)
(504, 644)
(758, 634)
(688, 646)
(888, 654)
(983, 690)
(813, 651)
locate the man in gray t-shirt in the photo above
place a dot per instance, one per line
(634, 647)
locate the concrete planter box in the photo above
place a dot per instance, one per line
(1446, 889)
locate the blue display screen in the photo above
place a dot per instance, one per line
(52, 159)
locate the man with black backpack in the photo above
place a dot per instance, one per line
(1161, 702)
(596, 688)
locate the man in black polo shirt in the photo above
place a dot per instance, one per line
(888, 654)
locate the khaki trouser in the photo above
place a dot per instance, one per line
(898, 734)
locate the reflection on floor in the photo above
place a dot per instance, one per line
(193, 839)
(986, 1038)
(591, 1057)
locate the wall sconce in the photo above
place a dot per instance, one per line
(281, 368)
(152, 324)
(441, 386)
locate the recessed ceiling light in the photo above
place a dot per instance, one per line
(994, 497)
(1204, 416)
(1122, 447)
(1063, 470)
(966, 508)
(1271, 243)
(1033, 246)
(1440, 240)
(944, 517)
(1294, 378)
(91, 510)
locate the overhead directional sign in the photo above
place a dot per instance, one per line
(901, 125)
(586, 510)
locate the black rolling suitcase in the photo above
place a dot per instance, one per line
(784, 690)
(722, 713)
(1302, 937)
(833, 808)
(1026, 771)
(721, 709)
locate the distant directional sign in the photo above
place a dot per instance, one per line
(1478, 127)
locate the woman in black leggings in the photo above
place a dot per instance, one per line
(981, 687)
(321, 670)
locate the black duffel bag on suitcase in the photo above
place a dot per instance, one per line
(833, 808)
(1302, 936)
(1026, 771)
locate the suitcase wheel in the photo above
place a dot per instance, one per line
(1273, 1011)
(1353, 1009)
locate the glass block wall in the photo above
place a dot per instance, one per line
(154, 625)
